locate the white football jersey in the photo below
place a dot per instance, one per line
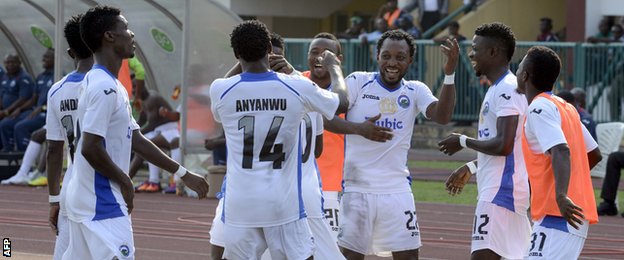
(374, 167)
(311, 127)
(103, 110)
(503, 180)
(61, 113)
(261, 115)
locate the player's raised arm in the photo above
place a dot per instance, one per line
(442, 110)
(332, 63)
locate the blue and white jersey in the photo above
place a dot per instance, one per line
(374, 167)
(261, 115)
(62, 113)
(311, 127)
(503, 180)
(103, 110)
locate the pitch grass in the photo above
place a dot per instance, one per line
(434, 191)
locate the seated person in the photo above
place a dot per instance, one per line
(356, 29)
(16, 88)
(615, 164)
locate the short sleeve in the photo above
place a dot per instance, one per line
(545, 123)
(54, 130)
(215, 94)
(590, 143)
(26, 87)
(509, 103)
(319, 124)
(424, 98)
(353, 88)
(100, 107)
(318, 99)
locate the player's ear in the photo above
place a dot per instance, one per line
(71, 53)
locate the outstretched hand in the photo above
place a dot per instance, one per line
(572, 213)
(369, 130)
(450, 145)
(53, 217)
(457, 180)
(196, 183)
(450, 49)
(328, 59)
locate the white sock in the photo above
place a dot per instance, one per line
(30, 155)
(176, 155)
(154, 173)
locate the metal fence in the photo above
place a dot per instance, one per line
(597, 68)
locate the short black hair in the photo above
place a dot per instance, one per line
(95, 22)
(326, 35)
(277, 40)
(567, 96)
(546, 19)
(397, 35)
(543, 66)
(250, 40)
(72, 35)
(453, 24)
(500, 33)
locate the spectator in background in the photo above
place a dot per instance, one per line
(390, 12)
(617, 32)
(431, 12)
(380, 27)
(16, 88)
(453, 29)
(1, 72)
(604, 34)
(406, 23)
(575, 99)
(615, 164)
(356, 29)
(546, 34)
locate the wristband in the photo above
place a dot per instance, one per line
(54, 198)
(471, 167)
(462, 140)
(180, 172)
(449, 79)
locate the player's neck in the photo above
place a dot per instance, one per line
(84, 65)
(111, 62)
(321, 82)
(259, 66)
(531, 93)
(496, 73)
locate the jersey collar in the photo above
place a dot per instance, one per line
(98, 66)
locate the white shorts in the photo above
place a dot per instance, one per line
(331, 207)
(498, 229)
(100, 239)
(217, 236)
(378, 223)
(168, 130)
(553, 243)
(326, 246)
(289, 241)
(62, 239)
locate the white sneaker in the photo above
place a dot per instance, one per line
(17, 179)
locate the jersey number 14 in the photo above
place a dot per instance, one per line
(270, 151)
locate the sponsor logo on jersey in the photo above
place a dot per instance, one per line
(388, 105)
(367, 96)
(403, 101)
(389, 123)
(505, 96)
(484, 132)
(109, 91)
(536, 111)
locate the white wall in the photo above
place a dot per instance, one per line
(596, 9)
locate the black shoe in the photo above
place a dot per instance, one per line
(607, 209)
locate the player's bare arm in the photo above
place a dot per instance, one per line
(318, 148)
(501, 145)
(560, 159)
(151, 153)
(169, 114)
(235, 70)
(279, 64)
(442, 110)
(458, 179)
(97, 157)
(54, 160)
(332, 63)
(594, 157)
(367, 129)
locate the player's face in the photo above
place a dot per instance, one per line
(12, 64)
(393, 60)
(317, 47)
(479, 55)
(521, 76)
(48, 60)
(124, 38)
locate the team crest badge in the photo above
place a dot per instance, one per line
(484, 111)
(124, 250)
(387, 105)
(403, 101)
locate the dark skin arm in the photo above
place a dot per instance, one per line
(235, 70)
(97, 157)
(594, 157)
(560, 159)
(332, 63)
(367, 129)
(142, 118)
(441, 111)
(151, 109)
(501, 145)
(318, 150)
(54, 160)
(169, 114)
(151, 153)
(212, 143)
(25, 105)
